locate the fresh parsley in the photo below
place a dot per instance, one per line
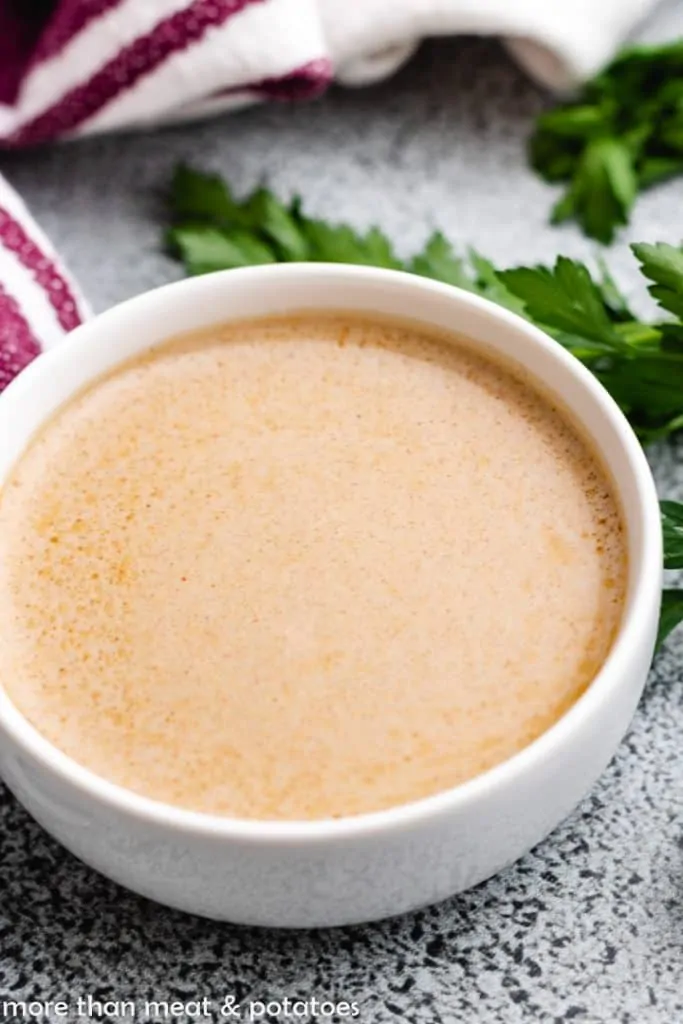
(671, 614)
(622, 133)
(640, 363)
(672, 526)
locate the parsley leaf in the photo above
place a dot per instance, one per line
(437, 260)
(341, 244)
(615, 302)
(672, 599)
(565, 298)
(671, 614)
(491, 284)
(204, 248)
(203, 197)
(672, 527)
(602, 191)
(278, 225)
(663, 264)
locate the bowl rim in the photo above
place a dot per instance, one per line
(644, 591)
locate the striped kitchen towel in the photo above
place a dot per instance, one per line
(39, 302)
(74, 67)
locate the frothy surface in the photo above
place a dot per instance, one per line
(303, 568)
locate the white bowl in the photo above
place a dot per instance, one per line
(301, 874)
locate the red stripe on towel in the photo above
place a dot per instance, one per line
(304, 83)
(21, 25)
(17, 343)
(172, 35)
(70, 18)
(15, 239)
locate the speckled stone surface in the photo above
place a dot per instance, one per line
(589, 926)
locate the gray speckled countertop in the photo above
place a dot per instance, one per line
(589, 926)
